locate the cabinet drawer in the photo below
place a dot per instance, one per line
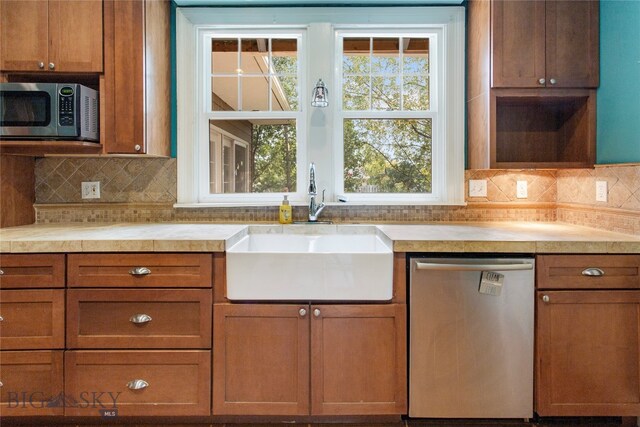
(139, 318)
(31, 271)
(169, 382)
(139, 270)
(588, 272)
(32, 319)
(31, 380)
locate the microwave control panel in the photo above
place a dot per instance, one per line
(66, 106)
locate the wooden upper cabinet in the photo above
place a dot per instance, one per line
(75, 32)
(545, 44)
(572, 29)
(137, 75)
(518, 43)
(52, 35)
(24, 34)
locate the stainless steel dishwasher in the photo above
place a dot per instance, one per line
(471, 346)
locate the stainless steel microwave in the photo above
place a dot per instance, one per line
(48, 111)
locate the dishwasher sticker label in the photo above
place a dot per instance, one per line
(491, 283)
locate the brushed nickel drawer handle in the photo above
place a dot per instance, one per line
(592, 271)
(1, 272)
(1, 384)
(137, 384)
(1, 319)
(140, 318)
(139, 271)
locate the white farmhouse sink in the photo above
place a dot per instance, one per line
(310, 263)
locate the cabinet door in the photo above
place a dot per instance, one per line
(260, 359)
(24, 35)
(31, 383)
(75, 32)
(518, 43)
(358, 359)
(587, 353)
(572, 39)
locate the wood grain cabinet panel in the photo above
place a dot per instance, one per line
(139, 270)
(141, 318)
(261, 359)
(168, 382)
(545, 44)
(32, 319)
(588, 353)
(588, 271)
(358, 359)
(52, 36)
(32, 383)
(31, 271)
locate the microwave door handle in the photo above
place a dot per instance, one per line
(473, 267)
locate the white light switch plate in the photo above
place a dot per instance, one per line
(91, 190)
(521, 189)
(601, 191)
(477, 188)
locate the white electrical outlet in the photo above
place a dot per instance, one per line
(477, 188)
(601, 191)
(521, 189)
(91, 190)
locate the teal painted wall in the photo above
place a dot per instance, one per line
(618, 112)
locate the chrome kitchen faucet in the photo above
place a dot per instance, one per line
(314, 208)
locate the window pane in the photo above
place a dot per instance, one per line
(255, 93)
(387, 156)
(256, 156)
(356, 93)
(225, 93)
(386, 56)
(254, 56)
(284, 93)
(284, 56)
(355, 57)
(385, 93)
(416, 56)
(224, 56)
(416, 93)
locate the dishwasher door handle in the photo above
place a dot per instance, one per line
(473, 267)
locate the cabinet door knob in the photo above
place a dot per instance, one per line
(41, 65)
(1, 384)
(316, 312)
(545, 298)
(1, 272)
(52, 65)
(542, 81)
(139, 271)
(302, 312)
(593, 272)
(1, 319)
(140, 318)
(137, 384)
(552, 81)
(137, 147)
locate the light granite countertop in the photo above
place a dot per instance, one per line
(511, 237)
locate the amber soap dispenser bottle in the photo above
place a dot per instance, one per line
(286, 214)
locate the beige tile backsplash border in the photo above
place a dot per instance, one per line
(144, 190)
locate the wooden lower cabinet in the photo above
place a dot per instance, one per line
(138, 383)
(260, 359)
(31, 383)
(358, 359)
(588, 353)
(32, 319)
(291, 359)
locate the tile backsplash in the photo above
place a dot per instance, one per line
(144, 190)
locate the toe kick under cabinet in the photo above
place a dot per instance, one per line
(139, 331)
(588, 335)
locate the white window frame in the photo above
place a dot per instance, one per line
(318, 137)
